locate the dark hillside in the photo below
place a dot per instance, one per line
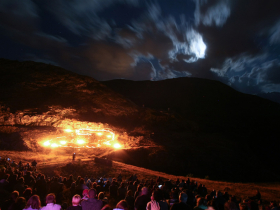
(180, 126)
(231, 131)
(37, 86)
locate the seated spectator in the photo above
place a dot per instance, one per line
(243, 206)
(11, 201)
(142, 200)
(20, 204)
(92, 203)
(34, 163)
(121, 205)
(130, 200)
(33, 203)
(75, 203)
(154, 203)
(182, 205)
(101, 198)
(138, 191)
(106, 207)
(113, 190)
(121, 191)
(85, 194)
(27, 193)
(50, 201)
(201, 204)
(230, 205)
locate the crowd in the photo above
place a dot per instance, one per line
(23, 187)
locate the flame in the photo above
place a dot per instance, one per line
(62, 142)
(54, 145)
(80, 141)
(117, 145)
(82, 138)
(107, 143)
(46, 143)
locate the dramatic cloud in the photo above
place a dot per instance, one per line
(214, 14)
(234, 41)
(275, 34)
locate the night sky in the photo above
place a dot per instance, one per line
(233, 41)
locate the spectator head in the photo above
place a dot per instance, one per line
(230, 206)
(27, 192)
(201, 202)
(100, 195)
(82, 181)
(20, 203)
(144, 191)
(92, 193)
(156, 196)
(129, 193)
(15, 195)
(85, 193)
(33, 202)
(183, 197)
(122, 205)
(50, 198)
(243, 206)
(76, 200)
(106, 207)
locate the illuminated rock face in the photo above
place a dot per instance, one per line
(61, 132)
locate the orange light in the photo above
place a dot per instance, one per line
(46, 143)
(80, 141)
(54, 145)
(117, 145)
(109, 136)
(62, 142)
(99, 134)
(68, 130)
(107, 143)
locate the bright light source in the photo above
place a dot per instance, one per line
(54, 145)
(68, 130)
(63, 142)
(99, 134)
(109, 136)
(107, 143)
(117, 145)
(47, 143)
(80, 141)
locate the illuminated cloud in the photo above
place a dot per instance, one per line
(275, 34)
(193, 46)
(216, 14)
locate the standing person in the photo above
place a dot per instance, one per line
(75, 203)
(50, 201)
(142, 200)
(154, 203)
(33, 203)
(92, 203)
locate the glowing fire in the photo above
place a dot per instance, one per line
(47, 143)
(81, 141)
(54, 145)
(117, 145)
(89, 138)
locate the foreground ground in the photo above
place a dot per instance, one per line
(59, 163)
